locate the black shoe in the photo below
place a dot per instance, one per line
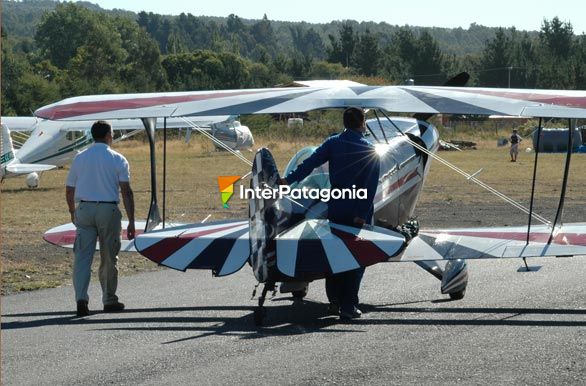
(114, 307)
(348, 315)
(82, 309)
(333, 309)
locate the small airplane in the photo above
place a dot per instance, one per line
(290, 241)
(55, 144)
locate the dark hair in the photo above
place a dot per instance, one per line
(353, 118)
(100, 129)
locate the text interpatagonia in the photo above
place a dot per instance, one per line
(324, 195)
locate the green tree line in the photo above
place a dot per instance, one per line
(76, 49)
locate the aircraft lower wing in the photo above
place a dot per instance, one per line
(18, 168)
(318, 248)
(64, 236)
(222, 246)
(490, 243)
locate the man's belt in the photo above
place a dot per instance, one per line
(101, 202)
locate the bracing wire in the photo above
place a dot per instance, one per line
(485, 186)
(233, 152)
(217, 141)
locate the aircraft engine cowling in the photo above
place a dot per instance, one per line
(32, 180)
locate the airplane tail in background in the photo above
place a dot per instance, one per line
(7, 149)
(11, 165)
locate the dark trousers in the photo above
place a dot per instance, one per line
(342, 288)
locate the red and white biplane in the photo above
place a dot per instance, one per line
(287, 241)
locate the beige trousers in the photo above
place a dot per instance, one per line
(96, 221)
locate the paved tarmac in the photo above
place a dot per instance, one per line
(191, 328)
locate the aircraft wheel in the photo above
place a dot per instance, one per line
(259, 316)
(458, 294)
(299, 294)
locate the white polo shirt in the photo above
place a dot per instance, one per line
(96, 173)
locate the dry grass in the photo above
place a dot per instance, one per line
(29, 263)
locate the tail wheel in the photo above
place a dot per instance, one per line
(299, 294)
(458, 295)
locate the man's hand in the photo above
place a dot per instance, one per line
(130, 231)
(358, 221)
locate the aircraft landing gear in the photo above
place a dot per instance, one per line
(297, 289)
(455, 279)
(260, 312)
(454, 276)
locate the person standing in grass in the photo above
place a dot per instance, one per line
(515, 140)
(95, 178)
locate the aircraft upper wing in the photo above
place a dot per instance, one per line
(499, 242)
(28, 124)
(412, 99)
(20, 123)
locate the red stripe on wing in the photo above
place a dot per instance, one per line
(364, 251)
(558, 100)
(68, 237)
(168, 246)
(83, 108)
(560, 238)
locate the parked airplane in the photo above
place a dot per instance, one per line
(290, 241)
(56, 143)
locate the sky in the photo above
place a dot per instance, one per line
(522, 14)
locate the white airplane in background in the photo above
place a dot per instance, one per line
(52, 144)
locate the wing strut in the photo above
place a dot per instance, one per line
(164, 167)
(154, 218)
(381, 127)
(560, 211)
(539, 129)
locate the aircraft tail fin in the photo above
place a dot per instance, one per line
(6, 147)
(7, 157)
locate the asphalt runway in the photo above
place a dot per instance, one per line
(191, 328)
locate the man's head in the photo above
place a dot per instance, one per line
(354, 118)
(102, 132)
(514, 131)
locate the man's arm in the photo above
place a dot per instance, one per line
(319, 157)
(70, 198)
(128, 200)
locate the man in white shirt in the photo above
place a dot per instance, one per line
(95, 176)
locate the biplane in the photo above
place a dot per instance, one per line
(290, 241)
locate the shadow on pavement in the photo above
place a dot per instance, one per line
(288, 319)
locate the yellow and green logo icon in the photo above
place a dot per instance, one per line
(226, 184)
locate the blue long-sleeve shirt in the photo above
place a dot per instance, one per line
(352, 161)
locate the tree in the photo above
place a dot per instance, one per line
(342, 49)
(495, 60)
(62, 31)
(367, 54)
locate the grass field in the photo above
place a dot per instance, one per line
(30, 263)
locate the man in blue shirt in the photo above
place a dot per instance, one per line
(353, 164)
